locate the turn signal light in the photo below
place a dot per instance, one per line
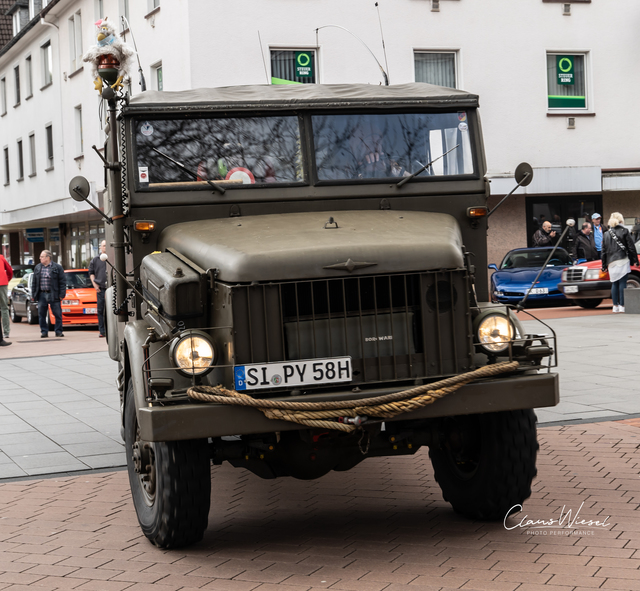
(144, 226)
(477, 212)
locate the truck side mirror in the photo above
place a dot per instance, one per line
(523, 176)
(80, 190)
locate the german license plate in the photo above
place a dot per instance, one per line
(293, 374)
(539, 290)
(571, 289)
(90, 310)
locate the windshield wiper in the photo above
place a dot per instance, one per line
(427, 165)
(181, 166)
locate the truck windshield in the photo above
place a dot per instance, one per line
(369, 146)
(248, 150)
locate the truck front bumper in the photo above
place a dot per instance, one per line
(198, 420)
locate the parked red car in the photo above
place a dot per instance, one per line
(80, 305)
(587, 285)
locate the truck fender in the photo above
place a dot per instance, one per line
(135, 334)
(112, 325)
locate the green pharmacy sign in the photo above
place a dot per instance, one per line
(304, 64)
(564, 69)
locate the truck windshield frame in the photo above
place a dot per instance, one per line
(267, 150)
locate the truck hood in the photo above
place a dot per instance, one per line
(305, 245)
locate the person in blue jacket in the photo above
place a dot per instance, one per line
(49, 288)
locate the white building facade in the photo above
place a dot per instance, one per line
(555, 79)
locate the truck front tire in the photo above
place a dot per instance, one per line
(485, 463)
(170, 484)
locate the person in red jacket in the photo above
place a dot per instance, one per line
(6, 275)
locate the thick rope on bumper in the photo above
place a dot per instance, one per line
(332, 414)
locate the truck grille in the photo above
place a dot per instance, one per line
(575, 273)
(394, 327)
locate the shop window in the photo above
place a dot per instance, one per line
(566, 81)
(436, 68)
(293, 66)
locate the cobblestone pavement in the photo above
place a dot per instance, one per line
(380, 527)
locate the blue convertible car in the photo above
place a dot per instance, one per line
(518, 270)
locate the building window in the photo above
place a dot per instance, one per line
(16, 22)
(156, 76)
(124, 11)
(49, 132)
(47, 64)
(79, 135)
(3, 96)
(7, 178)
(75, 41)
(20, 162)
(99, 9)
(16, 78)
(436, 68)
(32, 154)
(293, 67)
(28, 76)
(566, 81)
(35, 6)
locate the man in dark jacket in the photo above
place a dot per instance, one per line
(544, 236)
(49, 287)
(585, 247)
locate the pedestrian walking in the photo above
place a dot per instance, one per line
(6, 275)
(98, 276)
(585, 246)
(544, 236)
(598, 232)
(49, 288)
(618, 254)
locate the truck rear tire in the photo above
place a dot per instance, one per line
(170, 484)
(485, 463)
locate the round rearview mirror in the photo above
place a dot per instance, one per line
(79, 188)
(524, 174)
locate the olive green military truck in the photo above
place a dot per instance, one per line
(310, 244)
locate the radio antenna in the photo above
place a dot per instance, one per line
(384, 49)
(264, 63)
(384, 73)
(143, 84)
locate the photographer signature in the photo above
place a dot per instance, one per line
(567, 520)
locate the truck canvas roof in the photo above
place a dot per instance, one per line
(304, 96)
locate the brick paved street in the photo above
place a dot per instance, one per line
(382, 526)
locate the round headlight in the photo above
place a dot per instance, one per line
(193, 354)
(495, 332)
